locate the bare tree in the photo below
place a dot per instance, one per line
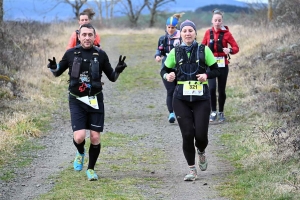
(1, 11)
(107, 6)
(76, 5)
(153, 6)
(112, 7)
(270, 10)
(133, 12)
(100, 10)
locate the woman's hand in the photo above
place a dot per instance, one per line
(201, 77)
(158, 58)
(170, 77)
(226, 50)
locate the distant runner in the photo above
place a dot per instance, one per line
(85, 17)
(217, 38)
(165, 44)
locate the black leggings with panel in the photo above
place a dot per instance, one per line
(222, 80)
(193, 120)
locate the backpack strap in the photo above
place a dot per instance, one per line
(219, 41)
(211, 40)
(77, 40)
(179, 56)
(201, 56)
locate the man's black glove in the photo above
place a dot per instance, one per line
(52, 63)
(121, 65)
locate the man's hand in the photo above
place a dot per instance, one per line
(121, 64)
(52, 63)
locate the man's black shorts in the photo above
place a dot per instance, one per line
(84, 116)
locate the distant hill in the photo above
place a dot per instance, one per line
(224, 8)
(192, 5)
(39, 10)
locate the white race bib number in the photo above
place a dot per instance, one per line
(220, 61)
(192, 88)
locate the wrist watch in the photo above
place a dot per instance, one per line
(165, 76)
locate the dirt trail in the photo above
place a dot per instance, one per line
(137, 118)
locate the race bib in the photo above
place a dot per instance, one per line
(91, 101)
(220, 61)
(193, 88)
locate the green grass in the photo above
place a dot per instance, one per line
(21, 157)
(142, 72)
(121, 170)
(32, 121)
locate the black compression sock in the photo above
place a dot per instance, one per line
(93, 155)
(80, 147)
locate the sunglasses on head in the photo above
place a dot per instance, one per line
(217, 12)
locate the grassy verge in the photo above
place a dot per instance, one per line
(261, 137)
(28, 116)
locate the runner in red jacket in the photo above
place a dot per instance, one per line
(85, 17)
(217, 38)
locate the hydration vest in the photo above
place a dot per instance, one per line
(219, 42)
(95, 78)
(188, 67)
(163, 42)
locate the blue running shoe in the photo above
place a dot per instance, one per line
(172, 118)
(78, 161)
(92, 176)
(221, 117)
(213, 116)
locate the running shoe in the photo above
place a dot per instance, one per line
(213, 116)
(192, 175)
(202, 160)
(221, 117)
(78, 161)
(92, 176)
(172, 118)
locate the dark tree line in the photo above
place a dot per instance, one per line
(223, 7)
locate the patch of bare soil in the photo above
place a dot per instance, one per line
(128, 114)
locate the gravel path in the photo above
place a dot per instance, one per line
(128, 114)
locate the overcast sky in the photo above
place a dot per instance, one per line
(39, 10)
(254, 1)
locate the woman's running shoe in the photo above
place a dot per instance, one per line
(92, 176)
(202, 160)
(192, 175)
(213, 116)
(221, 117)
(172, 118)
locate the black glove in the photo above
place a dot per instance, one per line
(52, 63)
(121, 65)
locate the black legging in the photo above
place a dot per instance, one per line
(170, 87)
(222, 80)
(193, 120)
